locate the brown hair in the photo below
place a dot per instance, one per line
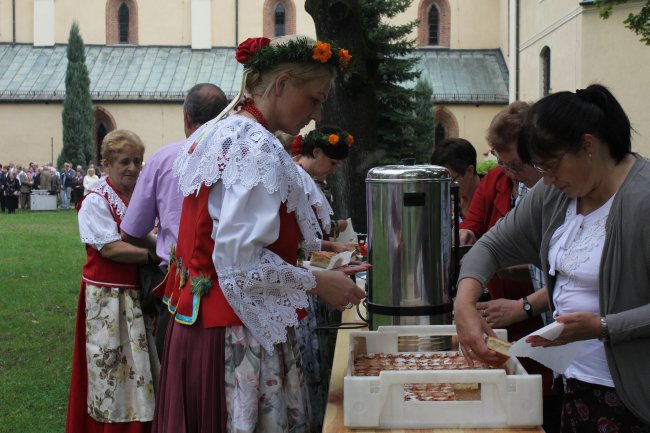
(505, 126)
(119, 140)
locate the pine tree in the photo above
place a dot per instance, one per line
(397, 67)
(423, 122)
(77, 116)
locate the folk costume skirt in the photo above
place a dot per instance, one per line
(218, 380)
(115, 368)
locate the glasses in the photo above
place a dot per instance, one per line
(549, 167)
(516, 167)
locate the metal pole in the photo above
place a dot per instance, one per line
(52, 150)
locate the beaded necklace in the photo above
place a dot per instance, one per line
(249, 106)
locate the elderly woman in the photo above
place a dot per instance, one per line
(115, 367)
(585, 227)
(231, 362)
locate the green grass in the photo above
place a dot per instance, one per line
(40, 270)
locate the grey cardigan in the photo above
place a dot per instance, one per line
(523, 236)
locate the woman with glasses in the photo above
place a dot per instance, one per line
(506, 302)
(586, 226)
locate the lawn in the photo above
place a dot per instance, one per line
(40, 271)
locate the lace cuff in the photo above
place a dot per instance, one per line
(99, 242)
(266, 296)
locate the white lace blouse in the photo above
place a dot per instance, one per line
(252, 176)
(575, 252)
(96, 224)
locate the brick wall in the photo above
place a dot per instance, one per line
(444, 28)
(112, 28)
(269, 17)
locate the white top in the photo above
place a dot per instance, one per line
(97, 227)
(89, 181)
(574, 256)
(252, 176)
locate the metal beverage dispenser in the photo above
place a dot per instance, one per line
(409, 245)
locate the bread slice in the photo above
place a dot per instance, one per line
(501, 348)
(321, 259)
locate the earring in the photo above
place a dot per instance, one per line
(589, 155)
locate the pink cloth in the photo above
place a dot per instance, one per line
(156, 194)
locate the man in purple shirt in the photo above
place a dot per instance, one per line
(156, 193)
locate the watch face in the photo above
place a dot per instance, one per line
(527, 307)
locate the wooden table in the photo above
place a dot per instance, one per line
(333, 422)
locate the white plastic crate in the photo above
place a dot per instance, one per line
(509, 397)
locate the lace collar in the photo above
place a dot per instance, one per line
(105, 189)
(238, 150)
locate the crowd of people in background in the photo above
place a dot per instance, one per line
(17, 182)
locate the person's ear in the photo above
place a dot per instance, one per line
(589, 144)
(317, 151)
(281, 83)
(470, 171)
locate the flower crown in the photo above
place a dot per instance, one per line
(258, 54)
(316, 138)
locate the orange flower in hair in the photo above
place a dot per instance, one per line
(333, 139)
(344, 58)
(322, 52)
(350, 140)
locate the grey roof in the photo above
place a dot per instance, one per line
(465, 76)
(155, 73)
(117, 73)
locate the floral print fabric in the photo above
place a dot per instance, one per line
(265, 393)
(123, 367)
(590, 408)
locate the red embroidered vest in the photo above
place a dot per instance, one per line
(192, 281)
(103, 272)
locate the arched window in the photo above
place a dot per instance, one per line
(434, 28)
(434, 25)
(280, 20)
(103, 124)
(545, 72)
(123, 23)
(446, 125)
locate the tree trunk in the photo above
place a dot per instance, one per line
(351, 104)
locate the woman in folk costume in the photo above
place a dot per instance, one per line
(115, 367)
(318, 154)
(231, 362)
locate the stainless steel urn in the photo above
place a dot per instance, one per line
(409, 245)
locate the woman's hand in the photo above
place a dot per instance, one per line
(337, 289)
(466, 237)
(500, 313)
(470, 326)
(577, 326)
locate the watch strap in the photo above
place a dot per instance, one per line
(527, 307)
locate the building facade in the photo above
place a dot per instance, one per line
(143, 55)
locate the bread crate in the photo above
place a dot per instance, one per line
(498, 398)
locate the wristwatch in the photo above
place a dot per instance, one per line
(527, 307)
(604, 330)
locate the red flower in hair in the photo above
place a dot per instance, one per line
(249, 47)
(296, 145)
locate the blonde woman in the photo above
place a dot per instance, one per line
(89, 180)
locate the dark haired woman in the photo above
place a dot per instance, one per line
(458, 156)
(319, 154)
(11, 192)
(584, 227)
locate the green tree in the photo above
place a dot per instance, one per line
(639, 23)
(423, 122)
(372, 101)
(77, 116)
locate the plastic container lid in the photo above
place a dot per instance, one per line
(407, 173)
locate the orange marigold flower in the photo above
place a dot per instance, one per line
(322, 52)
(344, 57)
(333, 139)
(350, 140)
